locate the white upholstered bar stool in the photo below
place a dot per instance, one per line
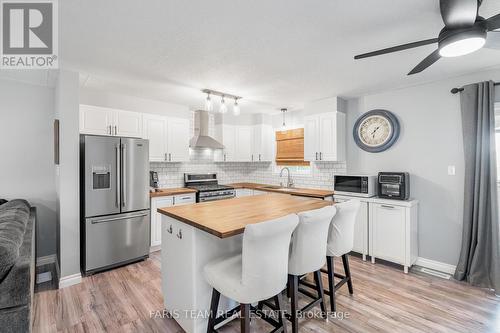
(340, 243)
(307, 255)
(257, 274)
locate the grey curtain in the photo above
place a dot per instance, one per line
(479, 262)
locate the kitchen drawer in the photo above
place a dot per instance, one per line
(184, 199)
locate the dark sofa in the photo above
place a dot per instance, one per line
(17, 265)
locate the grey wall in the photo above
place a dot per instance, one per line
(26, 158)
(430, 141)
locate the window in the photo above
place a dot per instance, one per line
(290, 148)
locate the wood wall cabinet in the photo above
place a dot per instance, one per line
(106, 121)
(325, 137)
(166, 201)
(168, 138)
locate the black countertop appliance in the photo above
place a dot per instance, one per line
(394, 185)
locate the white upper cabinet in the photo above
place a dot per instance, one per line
(155, 130)
(128, 124)
(244, 141)
(105, 121)
(263, 141)
(168, 138)
(324, 137)
(311, 138)
(178, 136)
(226, 134)
(96, 120)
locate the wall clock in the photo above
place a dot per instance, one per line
(376, 131)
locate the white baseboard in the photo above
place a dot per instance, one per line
(435, 265)
(70, 280)
(50, 259)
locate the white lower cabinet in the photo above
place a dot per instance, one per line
(360, 227)
(243, 192)
(386, 229)
(166, 201)
(393, 231)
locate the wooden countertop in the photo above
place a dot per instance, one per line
(163, 192)
(303, 192)
(226, 218)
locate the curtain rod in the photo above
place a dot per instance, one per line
(457, 90)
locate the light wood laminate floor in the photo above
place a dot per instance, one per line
(384, 300)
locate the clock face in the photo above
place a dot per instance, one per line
(375, 131)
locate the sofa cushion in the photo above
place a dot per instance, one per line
(14, 216)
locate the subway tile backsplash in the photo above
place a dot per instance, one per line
(201, 161)
(172, 174)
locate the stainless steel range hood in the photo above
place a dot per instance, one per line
(201, 138)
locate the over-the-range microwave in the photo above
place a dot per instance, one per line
(356, 185)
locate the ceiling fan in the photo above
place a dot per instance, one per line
(464, 32)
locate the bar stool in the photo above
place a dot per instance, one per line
(307, 255)
(340, 243)
(257, 274)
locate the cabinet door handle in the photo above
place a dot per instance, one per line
(252, 157)
(179, 234)
(185, 198)
(259, 157)
(386, 206)
(320, 156)
(169, 157)
(170, 230)
(166, 157)
(316, 156)
(116, 130)
(224, 157)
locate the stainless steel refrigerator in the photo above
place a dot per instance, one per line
(114, 185)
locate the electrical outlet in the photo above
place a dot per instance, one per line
(451, 170)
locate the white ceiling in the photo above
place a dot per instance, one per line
(273, 53)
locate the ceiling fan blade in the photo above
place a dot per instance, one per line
(397, 48)
(431, 59)
(459, 13)
(493, 40)
(493, 23)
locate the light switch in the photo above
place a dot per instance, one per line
(451, 170)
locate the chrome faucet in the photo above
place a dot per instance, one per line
(290, 181)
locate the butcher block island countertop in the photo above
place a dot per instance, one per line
(303, 192)
(226, 218)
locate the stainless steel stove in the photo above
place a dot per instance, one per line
(208, 187)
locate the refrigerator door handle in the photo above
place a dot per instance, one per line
(117, 158)
(124, 175)
(119, 218)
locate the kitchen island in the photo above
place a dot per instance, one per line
(194, 235)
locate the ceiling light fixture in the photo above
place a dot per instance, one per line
(208, 103)
(236, 108)
(283, 111)
(461, 42)
(223, 106)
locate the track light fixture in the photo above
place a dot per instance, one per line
(223, 106)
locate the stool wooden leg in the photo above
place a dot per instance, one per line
(214, 306)
(347, 271)
(293, 282)
(331, 282)
(281, 312)
(245, 318)
(321, 292)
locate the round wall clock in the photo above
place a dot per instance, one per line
(376, 131)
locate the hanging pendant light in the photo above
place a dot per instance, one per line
(223, 106)
(208, 103)
(236, 108)
(283, 125)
